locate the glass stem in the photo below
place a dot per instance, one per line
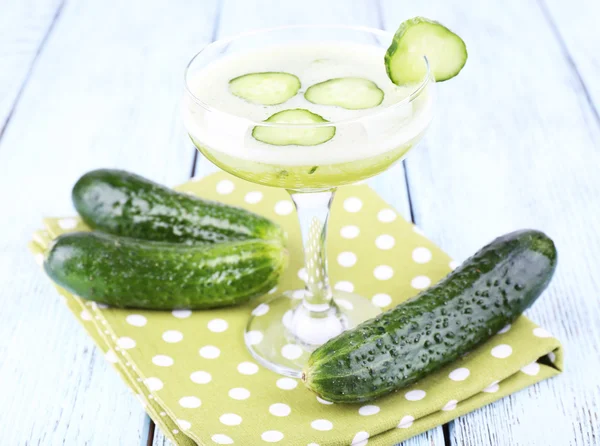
(313, 213)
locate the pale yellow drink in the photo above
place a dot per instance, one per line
(366, 141)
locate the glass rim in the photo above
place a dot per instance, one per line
(416, 91)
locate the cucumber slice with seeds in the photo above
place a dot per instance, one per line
(268, 88)
(418, 37)
(352, 93)
(288, 135)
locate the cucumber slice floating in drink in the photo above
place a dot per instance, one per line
(290, 135)
(352, 93)
(268, 88)
(418, 37)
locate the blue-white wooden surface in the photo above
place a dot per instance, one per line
(516, 143)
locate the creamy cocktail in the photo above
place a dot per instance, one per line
(364, 142)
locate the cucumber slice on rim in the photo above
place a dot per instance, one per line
(268, 88)
(418, 37)
(352, 93)
(287, 136)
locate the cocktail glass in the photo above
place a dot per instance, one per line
(283, 331)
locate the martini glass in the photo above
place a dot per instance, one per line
(283, 331)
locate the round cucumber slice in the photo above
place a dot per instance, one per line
(418, 37)
(287, 136)
(268, 88)
(352, 93)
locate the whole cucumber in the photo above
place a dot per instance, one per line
(122, 203)
(126, 272)
(419, 336)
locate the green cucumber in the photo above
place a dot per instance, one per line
(436, 327)
(268, 88)
(290, 135)
(418, 37)
(122, 203)
(352, 93)
(131, 273)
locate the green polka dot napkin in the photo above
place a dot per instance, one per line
(192, 373)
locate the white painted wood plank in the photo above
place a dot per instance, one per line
(105, 92)
(24, 26)
(575, 23)
(516, 145)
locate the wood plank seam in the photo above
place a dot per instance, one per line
(410, 201)
(381, 25)
(40, 48)
(213, 37)
(569, 58)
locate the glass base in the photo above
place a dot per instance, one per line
(282, 332)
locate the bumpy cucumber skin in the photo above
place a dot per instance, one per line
(436, 327)
(131, 273)
(395, 46)
(122, 203)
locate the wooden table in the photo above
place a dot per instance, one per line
(516, 143)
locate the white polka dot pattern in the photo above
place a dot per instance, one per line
(322, 425)
(247, 368)
(541, 333)
(450, 405)
(272, 436)
(253, 197)
(153, 384)
(383, 272)
(353, 204)
(344, 285)
(287, 383)
(347, 259)
(386, 215)
(225, 187)
(221, 439)
(230, 419)
(360, 439)
(382, 300)
(67, 223)
(190, 402)
(502, 351)
(201, 377)
(254, 337)
(459, 374)
(239, 393)
(280, 409)
(421, 255)
(126, 342)
(531, 369)
(368, 410)
(136, 320)
(172, 336)
(350, 231)
(210, 352)
(406, 422)
(385, 242)
(285, 207)
(420, 282)
(162, 360)
(181, 314)
(415, 395)
(217, 325)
